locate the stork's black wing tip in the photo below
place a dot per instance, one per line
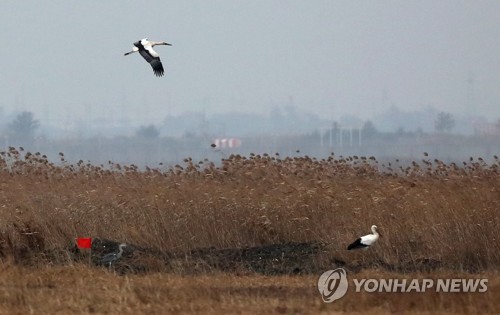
(158, 73)
(356, 245)
(157, 67)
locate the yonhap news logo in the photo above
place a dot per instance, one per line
(333, 285)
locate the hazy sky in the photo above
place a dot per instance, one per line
(64, 59)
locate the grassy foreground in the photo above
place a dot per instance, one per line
(435, 218)
(83, 290)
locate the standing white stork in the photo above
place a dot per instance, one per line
(365, 241)
(145, 48)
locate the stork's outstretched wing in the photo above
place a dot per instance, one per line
(155, 62)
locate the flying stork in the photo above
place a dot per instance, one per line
(364, 242)
(145, 48)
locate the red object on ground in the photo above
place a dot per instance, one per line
(84, 242)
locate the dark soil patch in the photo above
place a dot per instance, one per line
(274, 259)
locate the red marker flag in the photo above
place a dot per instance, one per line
(84, 242)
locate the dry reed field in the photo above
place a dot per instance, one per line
(251, 234)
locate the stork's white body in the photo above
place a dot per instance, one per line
(364, 242)
(145, 48)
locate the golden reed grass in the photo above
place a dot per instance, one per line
(79, 289)
(428, 211)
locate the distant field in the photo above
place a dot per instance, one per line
(436, 219)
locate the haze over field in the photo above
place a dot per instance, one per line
(64, 60)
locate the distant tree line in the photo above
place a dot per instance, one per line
(22, 129)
